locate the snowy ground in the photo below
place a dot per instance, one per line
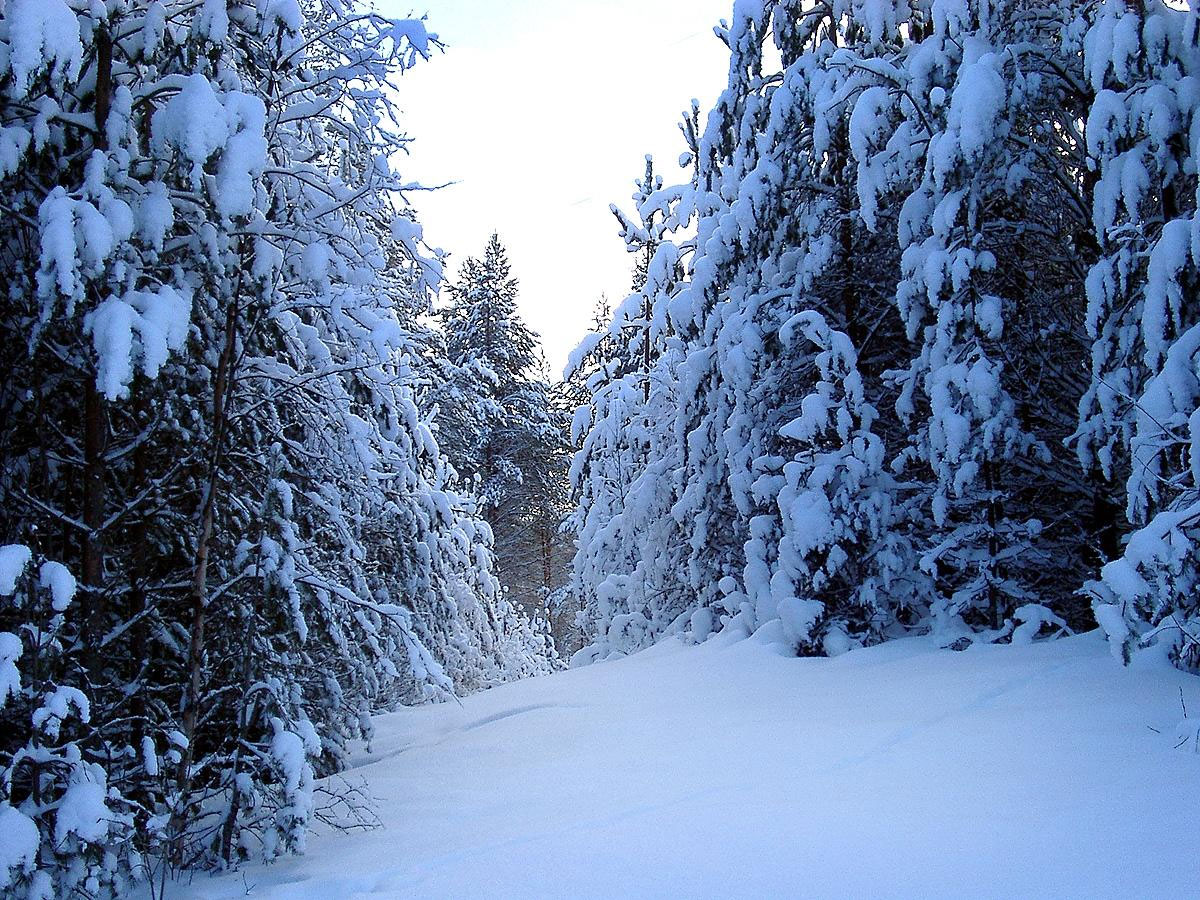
(731, 771)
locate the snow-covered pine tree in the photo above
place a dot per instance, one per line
(101, 293)
(629, 563)
(835, 504)
(486, 337)
(211, 413)
(955, 121)
(712, 511)
(764, 252)
(819, 188)
(803, 252)
(66, 829)
(1139, 417)
(495, 418)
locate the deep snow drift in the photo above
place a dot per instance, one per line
(730, 770)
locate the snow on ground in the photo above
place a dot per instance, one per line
(728, 770)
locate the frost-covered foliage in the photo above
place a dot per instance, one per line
(63, 826)
(1140, 419)
(835, 505)
(904, 229)
(627, 587)
(213, 355)
(503, 434)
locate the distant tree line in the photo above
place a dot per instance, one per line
(505, 423)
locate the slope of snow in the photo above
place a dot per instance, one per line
(730, 770)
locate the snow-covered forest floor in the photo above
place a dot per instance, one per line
(730, 770)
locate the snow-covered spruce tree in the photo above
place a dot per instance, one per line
(590, 366)
(835, 504)
(1139, 417)
(799, 252)
(100, 295)
(352, 531)
(588, 357)
(499, 355)
(211, 410)
(494, 417)
(772, 242)
(714, 515)
(966, 118)
(686, 485)
(601, 472)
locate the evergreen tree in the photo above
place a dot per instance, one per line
(627, 590)
(212, 418)
(495, 415)
(1139, 417)
(868, 167)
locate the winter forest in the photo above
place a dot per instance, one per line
(909, 355)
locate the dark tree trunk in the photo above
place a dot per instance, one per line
(95, 423)
(198, 593)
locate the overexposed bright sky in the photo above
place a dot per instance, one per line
(542, 112)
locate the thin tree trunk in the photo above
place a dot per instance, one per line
(852, 322)
(104, 51)
(547, 574)
(138, 577)
(95, 425)
(94, 435)
(993, 518)
(229, 826)
(646, 328)
(198, 593)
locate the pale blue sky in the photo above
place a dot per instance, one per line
(543, 112)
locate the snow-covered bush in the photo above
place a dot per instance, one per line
(64, 829)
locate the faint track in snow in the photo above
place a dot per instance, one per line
(980, 701)
(449, 733)
(508, 714)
